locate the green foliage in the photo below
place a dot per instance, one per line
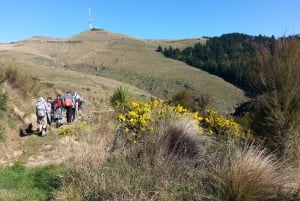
(30, 184)
(276, 114)
(120, 97)
(230, 56)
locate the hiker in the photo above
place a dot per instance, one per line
(58, 107)
(68, 102)
(49, 107)
(41, 114)
(74, 107)
(77, 106)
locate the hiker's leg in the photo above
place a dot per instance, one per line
(69, 114)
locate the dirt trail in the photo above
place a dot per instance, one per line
(32, 149)
(54, 148)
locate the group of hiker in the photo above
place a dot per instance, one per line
(50, 111)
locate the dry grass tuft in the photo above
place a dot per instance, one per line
(182, 139)
(248, 175)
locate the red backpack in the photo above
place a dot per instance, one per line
(57, 103)
(68, 101)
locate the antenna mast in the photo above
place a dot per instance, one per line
(90, 19)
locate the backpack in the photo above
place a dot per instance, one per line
(40, 109)
(57, 103)
(68, 101)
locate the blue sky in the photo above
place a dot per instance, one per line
(148, 19)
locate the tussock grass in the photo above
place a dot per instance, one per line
(147, 171)
(182, 139)
(247, 175)
(292, 149)
(120, 97)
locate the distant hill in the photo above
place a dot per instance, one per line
(118, 57)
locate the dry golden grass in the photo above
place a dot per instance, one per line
(247, 175)
(118, 57)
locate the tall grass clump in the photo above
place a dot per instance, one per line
(159, 152)
(292, 149)
(20, 82)
(249, 174)
(3, 101)
(13, 77)
(120, 97)
(148, 172)
(3, 95)
(184, 98)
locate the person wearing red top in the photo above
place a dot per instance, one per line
(58, 107)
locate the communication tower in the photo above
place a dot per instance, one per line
(90, 19)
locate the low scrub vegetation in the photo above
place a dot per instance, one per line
(165, 152)
(276, 114)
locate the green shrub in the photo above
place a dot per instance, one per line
(120, 97)
(276, 115)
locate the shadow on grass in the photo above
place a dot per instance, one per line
(28, 131)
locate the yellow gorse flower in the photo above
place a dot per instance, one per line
(141, 114)
(122, 118)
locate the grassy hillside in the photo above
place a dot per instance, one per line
(141, 151)
(125, 59)
(94, 63)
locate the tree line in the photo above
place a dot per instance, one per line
(230, 56)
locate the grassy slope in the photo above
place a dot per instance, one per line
(128, 60)
(111, 57)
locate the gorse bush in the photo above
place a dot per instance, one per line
(72, 129)
(224, 127)
(143, 117)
